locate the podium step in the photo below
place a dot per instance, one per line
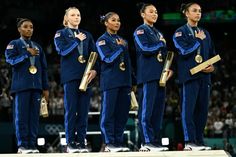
(211, 153)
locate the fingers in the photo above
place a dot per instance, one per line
(120, 42)
(170, 73)
(81, 36)
(46, 95)
(89, 79)
(162, 39)
(33, 51)
(209, 69)
(91, 75)
(36, 51)
(200, 34)
(134, 88)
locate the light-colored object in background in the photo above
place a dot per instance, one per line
(92, 59)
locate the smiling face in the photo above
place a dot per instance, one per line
(113, 23)
(26, 29)
(194, 13)
(73, 18)
(150, 15)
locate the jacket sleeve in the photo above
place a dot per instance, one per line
(107, 54)
(63, 45)
(141, 39)
(14, 56)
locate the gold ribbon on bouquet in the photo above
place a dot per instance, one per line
(91, 61)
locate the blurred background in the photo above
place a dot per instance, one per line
(219, 18)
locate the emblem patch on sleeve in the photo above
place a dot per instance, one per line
(9, 47)
(58, 34)
(141, 31)
(102, 42)
(178, 34)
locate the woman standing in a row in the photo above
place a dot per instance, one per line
(194, 46)
(151, 51)
(115, 83)
(74, 45)
(29, 84)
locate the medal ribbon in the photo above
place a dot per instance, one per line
(80, 46)
(191, 30)
(122, 57)
(157, 35)
(32, 58)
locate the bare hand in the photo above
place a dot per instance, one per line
(80, 36)
(200, 34)
(33, 51)
(91, 75)
(46, 95)
(134, 89)
(209, 69)
(170, 74)
(120, 42)
(163, 39)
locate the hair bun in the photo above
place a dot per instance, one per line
(18, 19)
(102, 17)
(183, 8)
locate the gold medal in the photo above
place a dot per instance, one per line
(81, 59)
(198, 58)
(32, 69)
(159, 57)
(122, 66)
